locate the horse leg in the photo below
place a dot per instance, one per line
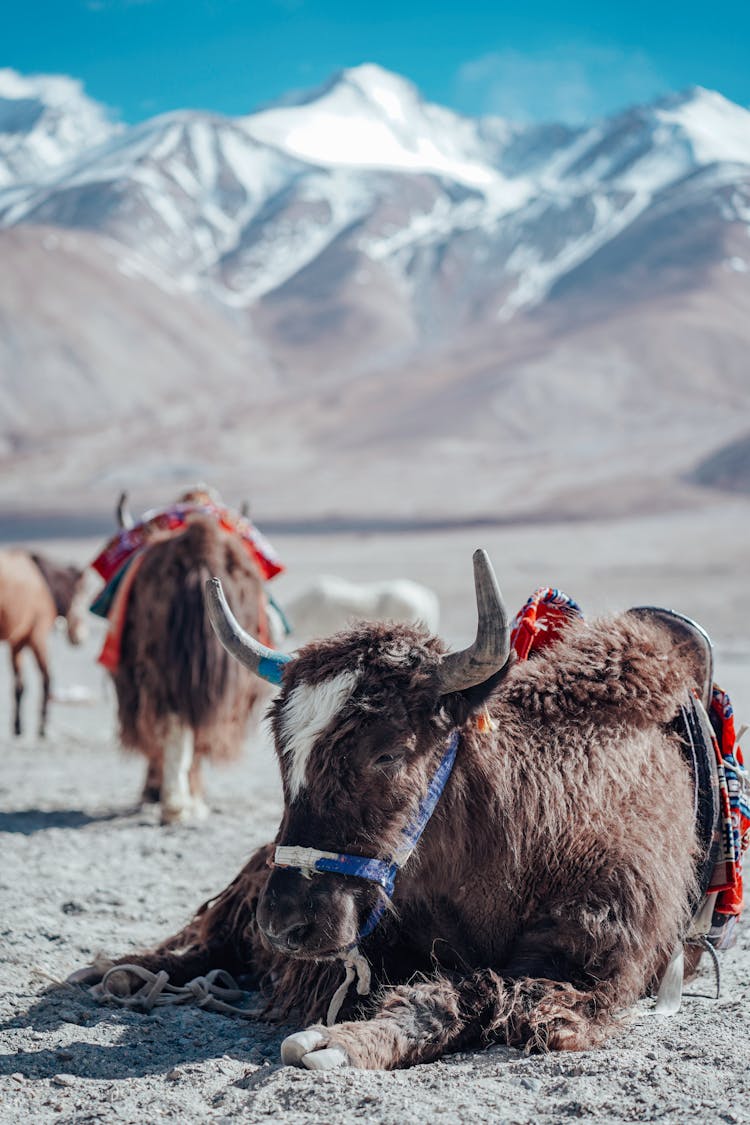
(39, 648)
(15, 658)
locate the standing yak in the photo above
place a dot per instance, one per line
(180, 697)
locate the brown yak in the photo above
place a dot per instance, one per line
(549, 887)
(180, 697)
(34, 592)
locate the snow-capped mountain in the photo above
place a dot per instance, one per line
(46, 121)
(359, 230)
(239, 207)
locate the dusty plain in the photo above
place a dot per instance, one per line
(82, 870)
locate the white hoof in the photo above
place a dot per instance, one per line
(330, 1058)
(192, 811)
(171, 814)
(200, 809)
(296, 1046)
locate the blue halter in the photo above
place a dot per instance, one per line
(380, 871)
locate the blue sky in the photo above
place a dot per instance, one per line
(553, 61)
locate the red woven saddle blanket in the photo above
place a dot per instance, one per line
(119, 562)
(539, 623)
(173, 520)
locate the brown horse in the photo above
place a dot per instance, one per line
(34, 592)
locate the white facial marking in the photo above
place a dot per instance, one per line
(307, 712)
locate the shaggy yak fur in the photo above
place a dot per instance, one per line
(173, 673)
(34, 591)
(550, 886)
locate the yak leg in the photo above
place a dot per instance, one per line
(15, 658)
(543, 1000)
(197, 791)
(39, 648)
(151, 794)
(176, 801)
(419, 1022)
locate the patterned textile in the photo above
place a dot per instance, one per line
(109, 657)
(541, 619)
(735, 812)
(172, 521)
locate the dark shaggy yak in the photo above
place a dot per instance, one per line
(34, 592)
(180, 696)
(548, 889)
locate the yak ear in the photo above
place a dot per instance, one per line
(461, 705)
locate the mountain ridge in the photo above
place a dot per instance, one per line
(356, 256)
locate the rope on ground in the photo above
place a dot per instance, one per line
(217, 991)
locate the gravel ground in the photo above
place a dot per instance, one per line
(82, 871)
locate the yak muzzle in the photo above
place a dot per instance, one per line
(313, 917)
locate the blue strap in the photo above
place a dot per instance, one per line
(379, 871)
(418, 823)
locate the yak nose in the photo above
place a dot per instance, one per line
(289, 933)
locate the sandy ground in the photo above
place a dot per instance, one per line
(82, 871)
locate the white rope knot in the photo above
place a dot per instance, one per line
(356, 963)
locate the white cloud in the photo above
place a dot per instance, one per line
(574, 82)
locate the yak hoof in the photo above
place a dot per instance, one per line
(295, 1047)
(195, 809)
(307, 1048)
(200, 809)
(330, 1058)
(172, 815)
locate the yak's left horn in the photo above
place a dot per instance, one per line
(491, 648)
(122, 512)
(264, 661)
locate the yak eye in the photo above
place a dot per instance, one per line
(385, 760)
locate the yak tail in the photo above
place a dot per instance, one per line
(201, 676)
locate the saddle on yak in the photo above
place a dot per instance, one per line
(119, 561)
(705, 725)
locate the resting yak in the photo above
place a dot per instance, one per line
(180, 697)
(550, 886)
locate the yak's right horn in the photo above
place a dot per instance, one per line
(264, 661)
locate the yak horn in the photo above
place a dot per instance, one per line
(124, 518)
(490, 651)
(264, 661)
